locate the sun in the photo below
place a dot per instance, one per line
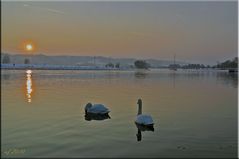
(29, 47)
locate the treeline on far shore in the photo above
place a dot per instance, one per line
(143, 64)
(228, 64)
(223, 65)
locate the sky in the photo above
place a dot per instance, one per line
(201, 32)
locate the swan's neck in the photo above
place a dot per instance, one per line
(140, 109)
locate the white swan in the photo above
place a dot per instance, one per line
(142, 119)
(96, 109)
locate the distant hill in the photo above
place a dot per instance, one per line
(82, 60)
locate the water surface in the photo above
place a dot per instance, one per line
(195, 113)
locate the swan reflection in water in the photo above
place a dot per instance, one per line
(29, 89)
(96, 112)
(142, 128)
(92, 116)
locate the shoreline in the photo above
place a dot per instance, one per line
(53, 67)
(94, 68)
(61, 69)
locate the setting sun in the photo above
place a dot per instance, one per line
(29, 47)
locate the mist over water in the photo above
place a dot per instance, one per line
(195, 113)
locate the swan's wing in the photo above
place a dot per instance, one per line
(144, 119)
(99, 108)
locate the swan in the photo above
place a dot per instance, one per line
(96, 109)
(143, 122)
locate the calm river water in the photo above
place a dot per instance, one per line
(195, 113)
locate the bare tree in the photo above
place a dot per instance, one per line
(26, 61)
(6, 59)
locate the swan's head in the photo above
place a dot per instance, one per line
(139, 102)
(87, 107)
(139, 106)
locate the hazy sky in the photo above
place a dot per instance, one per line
(203, 32)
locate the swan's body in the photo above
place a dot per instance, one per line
(96, 109)
(144, 119)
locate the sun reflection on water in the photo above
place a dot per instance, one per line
(29, 86)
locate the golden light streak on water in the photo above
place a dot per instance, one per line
(29, 86)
